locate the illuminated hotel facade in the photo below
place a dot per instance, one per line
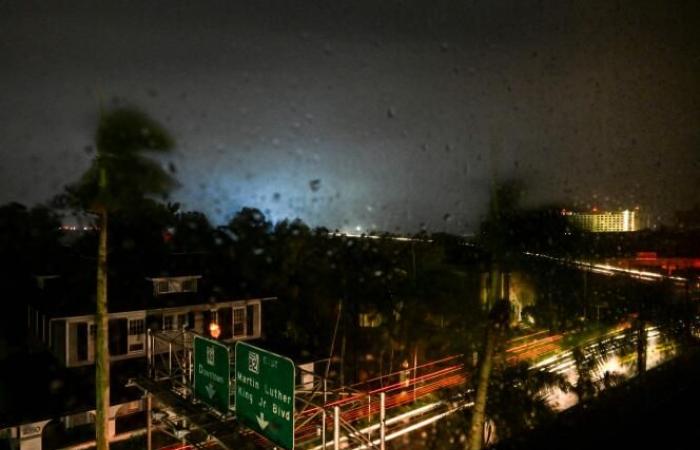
(605, 222)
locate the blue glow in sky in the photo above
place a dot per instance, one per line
(402, 118)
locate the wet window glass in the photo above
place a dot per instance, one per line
(425, 224)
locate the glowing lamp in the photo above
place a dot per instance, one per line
(214, 330)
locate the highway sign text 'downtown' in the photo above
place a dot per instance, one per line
(265, 393)
(212, 372)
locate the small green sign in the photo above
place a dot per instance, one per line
(212, 373)
(265, 393)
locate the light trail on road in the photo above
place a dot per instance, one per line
(607, 269)
(365, 405)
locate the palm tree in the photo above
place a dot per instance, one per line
(496, 238)
(518, 398)
(119, 177)
(587, 369)
(497, 322)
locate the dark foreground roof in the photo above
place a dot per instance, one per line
(657, 411)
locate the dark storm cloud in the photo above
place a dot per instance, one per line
(402, 110)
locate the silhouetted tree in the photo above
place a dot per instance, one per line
(518, 398)
(30, 244)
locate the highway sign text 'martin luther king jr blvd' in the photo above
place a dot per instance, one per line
(265, 393)
(212, 373)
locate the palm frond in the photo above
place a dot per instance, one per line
(120, 175)
(129, 130)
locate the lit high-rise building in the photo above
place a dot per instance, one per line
(605, 221)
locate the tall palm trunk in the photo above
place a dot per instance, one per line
(496, 284)
(493, 327)
(641, 336)
(101, 347)
(476, 428)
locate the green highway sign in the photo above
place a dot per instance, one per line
(212, 372)
(265, 393)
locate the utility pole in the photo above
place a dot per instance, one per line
(323, 413)
(382, 421)
(585, 295)
(415, 370)
(336, 428)
(149, 422)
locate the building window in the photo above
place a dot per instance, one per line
(167, 323)
(136, 327)
(238, 322)
(81, 341)
(162, 287)
(182, 322)
(118, 336)
(252, 313)
(189, 285)
(173, 285)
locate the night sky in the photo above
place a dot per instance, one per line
(378, 114)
